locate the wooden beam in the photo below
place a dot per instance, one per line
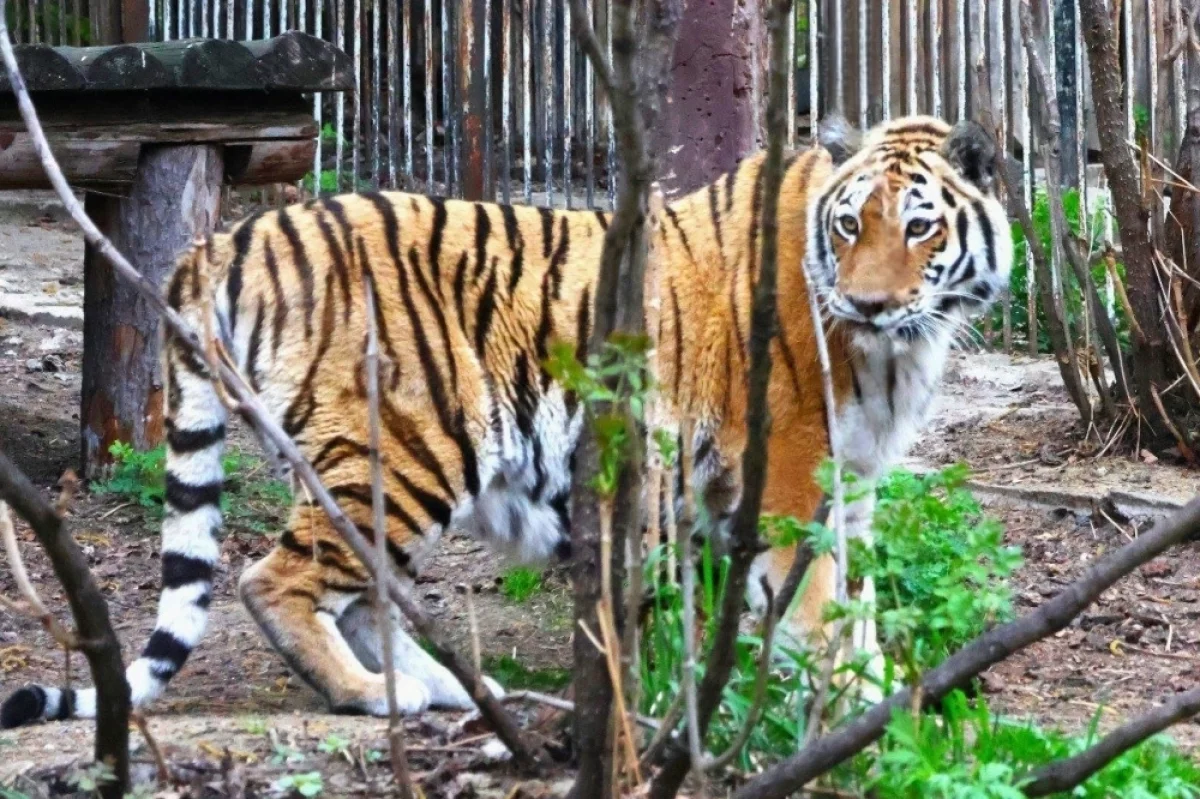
(294, 62)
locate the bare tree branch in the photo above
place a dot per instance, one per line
(101, 647)
(1065, 775)
(383, 614)
(256, 414)
(754, 461)
(826, 752)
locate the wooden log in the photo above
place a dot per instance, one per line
(43, 69)
(293, 62)
(297, 61)
(263, 163)
(207, 64)
(84, 162)
(121, 67)
(174, 197)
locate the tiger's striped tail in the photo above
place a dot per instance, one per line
(195, 445)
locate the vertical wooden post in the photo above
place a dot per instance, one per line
(1064, 63)
(711, 117)
(174, 198)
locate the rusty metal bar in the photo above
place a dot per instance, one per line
(390, 88)
(449, 129)
(376, 96)
(340, 107)
(814, 68)
(546, 88)
(406, 89)
(527, 91)
(429, 94)
(886, 39)
(229, 32)
(935, 65)
(960, 14)
(506, 78)
(864, 93)
(568, 100)
(356, 122)
(589, 112)
(489, 183)
(612, 131)
(471, 58)
(911, 56)
(790, 141)
(318, 106)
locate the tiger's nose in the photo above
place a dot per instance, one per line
(872, 304)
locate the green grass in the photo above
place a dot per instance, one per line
(251, 501)
(516, 676)
(942, 574)
(521, 583)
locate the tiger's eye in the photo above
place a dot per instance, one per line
(918, 228)
(848, 224)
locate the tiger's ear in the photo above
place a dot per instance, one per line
(972, 152)
(838, 136)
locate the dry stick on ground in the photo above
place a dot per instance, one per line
(257, 415)
(94, 630)
(1052, 132)
(745, 544)
(1065, 775)
(383, 611)
(988, 649)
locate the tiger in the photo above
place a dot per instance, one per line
(899, 230)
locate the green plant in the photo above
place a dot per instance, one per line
(309, 783)
(282, 754)
(966, 751)
(334, 745)
(520, 583)
(940, 566)
(515, 675)
(253, 725)
(248, 500)
(327, 182)
(88, 779)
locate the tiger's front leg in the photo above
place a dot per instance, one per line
(806, 623)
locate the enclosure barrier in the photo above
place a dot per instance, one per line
(492, 99)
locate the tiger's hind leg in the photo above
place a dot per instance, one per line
(297, 601)
(361, 629)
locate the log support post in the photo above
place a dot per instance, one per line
(174, 197)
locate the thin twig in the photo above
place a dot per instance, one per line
(691, 702)
(257, 415)
(566, 704)
(383, 614)
(37, 609)
(160, 763)
(1064, 775)
(760, 689)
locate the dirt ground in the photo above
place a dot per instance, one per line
(236, 711)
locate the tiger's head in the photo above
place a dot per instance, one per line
(907, 239)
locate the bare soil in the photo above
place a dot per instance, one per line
(235, 707)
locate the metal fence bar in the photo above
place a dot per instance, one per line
(935, 66)
(864, 102)
(506, 79)
(546, 89)
(589, 117)
(568, 102)
(394, 83)
(527, 91)
(911, 57)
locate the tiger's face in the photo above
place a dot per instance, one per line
(908, 239)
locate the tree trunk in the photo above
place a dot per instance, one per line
(173, 199)
(1150, 348)
(711, 117)
(1183, 226)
